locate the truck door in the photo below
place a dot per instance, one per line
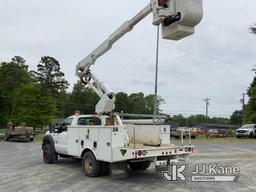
(61, 136)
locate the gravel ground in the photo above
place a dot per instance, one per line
(22, 169)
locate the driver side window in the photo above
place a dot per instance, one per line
(65, 124)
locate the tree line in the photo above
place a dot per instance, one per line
(37, 97)
(248, 112)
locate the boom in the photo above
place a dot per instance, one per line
(178, 19)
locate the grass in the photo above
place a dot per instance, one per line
(39, 138)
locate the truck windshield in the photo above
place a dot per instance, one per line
(247, 126)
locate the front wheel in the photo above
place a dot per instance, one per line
(48, 154)
(91, 166)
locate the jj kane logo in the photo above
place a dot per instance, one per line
(201, 173)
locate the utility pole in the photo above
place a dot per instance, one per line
(207, 103)
(156, 77)
(243, 100)
(243, 103)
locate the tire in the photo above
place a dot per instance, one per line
(251, 135)
(238, 137)
(48, 154)
(91, 166)
(136, 166)
(146, 165)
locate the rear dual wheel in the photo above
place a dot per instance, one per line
(91, 166)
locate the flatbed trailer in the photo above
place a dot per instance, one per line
(23, 137)
(2, 136)
(185, 135)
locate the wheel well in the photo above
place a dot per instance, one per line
(48, 140)
(86, 150)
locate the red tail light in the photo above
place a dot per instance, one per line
(139, 153)
(189, 149)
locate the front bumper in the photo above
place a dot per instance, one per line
(246, 134)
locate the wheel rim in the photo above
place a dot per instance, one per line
(88, 165)
(45, 155)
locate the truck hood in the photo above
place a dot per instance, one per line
(243, 129)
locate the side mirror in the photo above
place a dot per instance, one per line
(57, 128)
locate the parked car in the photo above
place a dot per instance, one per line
(248, 130)
(219, 133)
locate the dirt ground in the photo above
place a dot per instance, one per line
(22, 169)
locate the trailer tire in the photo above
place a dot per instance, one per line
(193, 137)
(91, 166)
(139, 165)
(48, 154)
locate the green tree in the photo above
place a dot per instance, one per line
(253, 29)
(33, 105)
(250, 108)
(12, 75)
(136, 103)
(50, 76)
(237, 117)
(182, 121)
(82, 99)
(141, 104)
(195, 119)
(122, 102)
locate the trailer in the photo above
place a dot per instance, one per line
(23, 137)
(18, 133)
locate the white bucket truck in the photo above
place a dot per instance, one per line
(103, 141)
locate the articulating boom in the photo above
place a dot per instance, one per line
(178, 19)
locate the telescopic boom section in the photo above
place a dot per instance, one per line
(178, 19)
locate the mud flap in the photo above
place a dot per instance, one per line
(118, 170)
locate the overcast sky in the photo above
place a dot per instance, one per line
(215, 62)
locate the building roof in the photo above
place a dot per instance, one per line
(215, 126)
